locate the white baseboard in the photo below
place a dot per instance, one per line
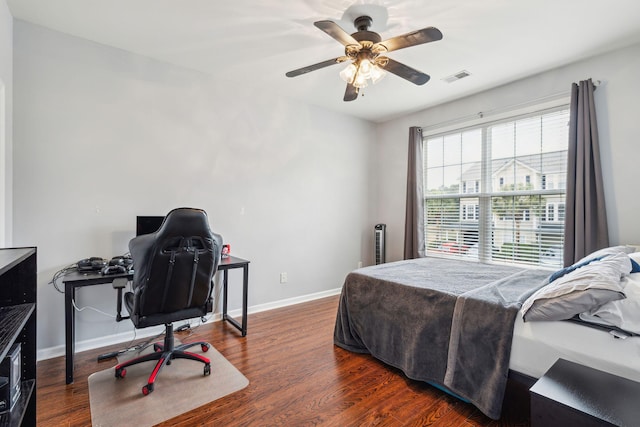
(125, 337)
(288, 301)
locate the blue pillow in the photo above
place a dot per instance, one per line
(635, 267)
(558, 274)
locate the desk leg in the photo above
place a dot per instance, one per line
(245, 289)
(225, 281)
(242, 327)
(69, 332)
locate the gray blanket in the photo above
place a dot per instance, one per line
(444, 321)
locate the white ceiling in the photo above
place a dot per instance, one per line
(497, 41)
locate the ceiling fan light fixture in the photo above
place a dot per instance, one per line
(359, 81)
(359, 72)
(365, 68)
(349, 72)
(377, 74)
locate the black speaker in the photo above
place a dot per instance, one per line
(10, 374)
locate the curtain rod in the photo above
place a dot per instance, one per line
(482, 114)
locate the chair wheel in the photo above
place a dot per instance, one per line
(207, 369)
(204, 347)
(147, 389)
(121, 373)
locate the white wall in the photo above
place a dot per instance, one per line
(6, 121)
(102, 135)
(618, 117)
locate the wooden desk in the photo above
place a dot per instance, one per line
(75, 279)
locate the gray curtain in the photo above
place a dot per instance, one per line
(414, 246)
(586, 218)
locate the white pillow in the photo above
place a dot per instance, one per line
(635, 256)
(624, 313)
(608, 251)
(583, 289)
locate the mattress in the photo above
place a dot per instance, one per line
(537, 345)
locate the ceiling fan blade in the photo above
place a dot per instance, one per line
(309, 68)
(425, 35)
(336, 32)
(406, 72)
(351, 94)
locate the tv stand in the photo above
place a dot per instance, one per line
(18, 282)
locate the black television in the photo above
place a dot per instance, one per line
(148, 224)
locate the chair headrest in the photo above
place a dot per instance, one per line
(184, 222)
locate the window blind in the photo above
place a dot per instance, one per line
(496, 192)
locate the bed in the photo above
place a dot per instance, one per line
(458, 325)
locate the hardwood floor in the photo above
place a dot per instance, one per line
(297, 378)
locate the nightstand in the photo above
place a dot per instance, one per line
(569, 394)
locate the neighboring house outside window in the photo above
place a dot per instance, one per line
(496, 192)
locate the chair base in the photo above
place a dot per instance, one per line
(164, 354)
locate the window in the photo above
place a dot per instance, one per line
(554, 212)
(471, 187)
(551, 212)
(487, 192)
(470, 212)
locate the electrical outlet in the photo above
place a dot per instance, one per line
(283, 277)
(359, 264)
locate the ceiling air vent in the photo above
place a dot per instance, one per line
(457, 76)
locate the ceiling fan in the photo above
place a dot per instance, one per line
(365, 50)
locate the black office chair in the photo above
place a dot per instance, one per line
(172, 280)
